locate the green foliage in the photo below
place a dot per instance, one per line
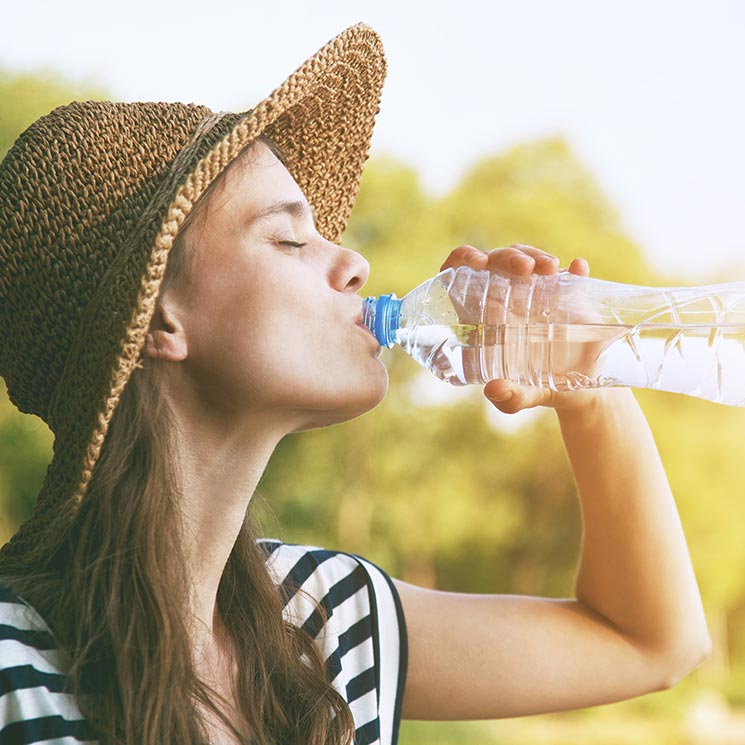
(392, 226)
(25, 451)
(538, 193)
(434, 485)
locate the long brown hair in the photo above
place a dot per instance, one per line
(115, 597)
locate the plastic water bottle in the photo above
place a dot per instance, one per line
(567, 332)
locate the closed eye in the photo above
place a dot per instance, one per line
(292, 244)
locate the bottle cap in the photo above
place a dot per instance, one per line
(382, 316)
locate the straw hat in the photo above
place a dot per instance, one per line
(92, 197)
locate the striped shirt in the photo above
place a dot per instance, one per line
(363, 641)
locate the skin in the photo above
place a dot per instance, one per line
(265, 339)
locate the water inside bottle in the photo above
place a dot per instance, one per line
(701, 360)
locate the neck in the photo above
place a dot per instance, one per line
(219, 469)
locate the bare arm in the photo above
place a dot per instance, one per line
(636, 623)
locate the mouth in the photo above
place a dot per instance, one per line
(365, 328)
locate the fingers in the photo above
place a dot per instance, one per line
(465, 256)
(520, 260)
(517, 259)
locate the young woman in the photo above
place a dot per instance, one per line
(174, 300)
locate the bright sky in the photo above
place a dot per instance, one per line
(649, 93)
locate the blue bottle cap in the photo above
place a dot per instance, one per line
(382, 316)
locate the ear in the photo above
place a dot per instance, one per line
(166, 339)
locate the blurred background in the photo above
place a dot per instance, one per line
(612, 131)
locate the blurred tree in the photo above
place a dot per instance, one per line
(25, 451)
(392, 226)
(540, 194)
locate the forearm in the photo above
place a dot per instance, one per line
(635, 569)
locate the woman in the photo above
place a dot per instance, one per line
(137, 606)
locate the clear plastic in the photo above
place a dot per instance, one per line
(566, 332)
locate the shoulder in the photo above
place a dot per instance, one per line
(33, 704)
(341, 583)
(351, 608)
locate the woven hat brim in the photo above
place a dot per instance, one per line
(322, 118)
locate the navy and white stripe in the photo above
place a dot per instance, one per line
(363, 639)
(33, 705)
(346, 604)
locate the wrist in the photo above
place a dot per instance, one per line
(583, 408)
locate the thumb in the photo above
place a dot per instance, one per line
(510, 398)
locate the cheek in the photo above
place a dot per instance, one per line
(248, 340)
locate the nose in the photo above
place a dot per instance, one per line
(349, 271)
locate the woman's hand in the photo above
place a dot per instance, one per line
(521, 261)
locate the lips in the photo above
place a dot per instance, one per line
(364, 327)
(359, 313)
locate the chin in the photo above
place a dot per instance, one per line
(344, 411)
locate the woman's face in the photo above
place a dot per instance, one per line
(272, 318)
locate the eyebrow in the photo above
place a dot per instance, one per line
(295, 208)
